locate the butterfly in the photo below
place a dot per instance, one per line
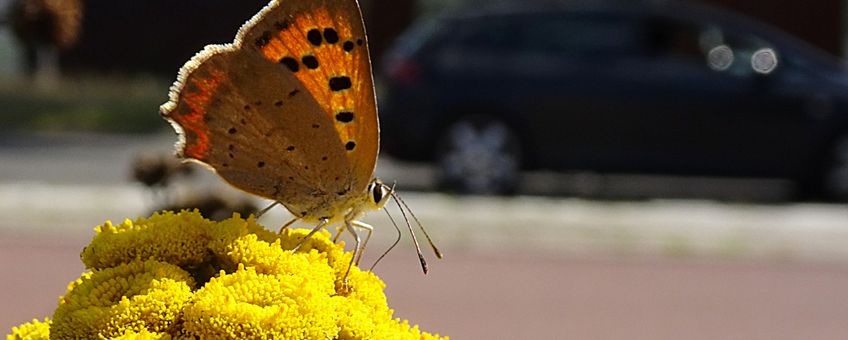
(288, 112)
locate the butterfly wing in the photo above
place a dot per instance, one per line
(325, 42)
(279, 113)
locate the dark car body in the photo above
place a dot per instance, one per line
(656, 87)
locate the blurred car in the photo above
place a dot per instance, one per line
(649, 88)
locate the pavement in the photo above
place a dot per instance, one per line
(518, 267)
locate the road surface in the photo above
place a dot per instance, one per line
(515, 268)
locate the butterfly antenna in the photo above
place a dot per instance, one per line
(420, 226)
(414, 239)
(393, 244)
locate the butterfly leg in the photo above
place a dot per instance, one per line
(356, 249)
(338, 233)
(314, 230)
(370, 230)
(288, 224)
(264, 210)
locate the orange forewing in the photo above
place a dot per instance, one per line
(341, 51)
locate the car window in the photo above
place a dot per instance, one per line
(711, 46)
(421, 32)
(486, 34)
(583, 35)
(561, 34)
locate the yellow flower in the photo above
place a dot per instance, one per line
(365, 314)
(129, 297)
(33, 330)
(224, 232)
(144, 334)
(179, 239)
(182, 276)
(320, 241)
(225, 236)
(251, 305)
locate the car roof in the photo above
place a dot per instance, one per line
(686, 11)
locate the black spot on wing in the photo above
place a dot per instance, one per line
(281, 25)
(290, 63)
(344, 117)
(314, 37)
(264, 39)
(340, 83)
(310, 61)
(331, 36)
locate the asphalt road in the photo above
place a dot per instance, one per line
(521, 295)
(522, 267)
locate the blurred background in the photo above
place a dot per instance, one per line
(591, 169)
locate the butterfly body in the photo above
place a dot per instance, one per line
(287, 111)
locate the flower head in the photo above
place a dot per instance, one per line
(140, 295)
(187, 277)
(178, 239)
(33, 330)
(251, 305)
(142, 335)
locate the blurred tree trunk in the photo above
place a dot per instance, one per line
(44, 28)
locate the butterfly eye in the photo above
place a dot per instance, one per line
(376, 192)
(379, 193)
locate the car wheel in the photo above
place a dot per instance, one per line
(835, 174)
(479, 155)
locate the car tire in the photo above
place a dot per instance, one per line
(479, 155)
(834, 175)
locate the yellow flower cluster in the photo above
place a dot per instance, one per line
(182, 276)
(135, 296)
(33, 330)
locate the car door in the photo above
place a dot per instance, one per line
(634, 92)
(708, 103)
(584, 110)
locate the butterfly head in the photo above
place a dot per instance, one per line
(378, 194)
